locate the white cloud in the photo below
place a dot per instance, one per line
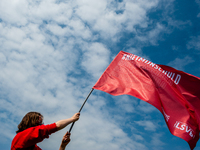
(95, 59)
(198, 2)
(146, 107)
(109, 23)
(13, 12)
(152, 36)
(125, 103)
(2, 59)
(148, 125)
(12, 33)
(180, 63)
(156, 141)
(194, 43)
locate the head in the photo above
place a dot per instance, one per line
(31, 119)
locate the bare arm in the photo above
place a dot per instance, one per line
(63, 123)
(65, 141)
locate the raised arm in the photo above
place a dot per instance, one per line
(65, 141)
(63, 123)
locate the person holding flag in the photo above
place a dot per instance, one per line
(31, 131)
(174, 93)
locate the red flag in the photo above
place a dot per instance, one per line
(175, 93)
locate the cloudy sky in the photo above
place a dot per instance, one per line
(52, 52)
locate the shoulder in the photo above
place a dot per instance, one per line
(32, 136)
(51, 128)
(33, 132)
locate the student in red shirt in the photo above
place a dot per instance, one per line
(31, 131)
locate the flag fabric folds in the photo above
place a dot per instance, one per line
(174, 93)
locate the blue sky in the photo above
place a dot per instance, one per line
(54, 51)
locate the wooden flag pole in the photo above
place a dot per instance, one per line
(81, 108)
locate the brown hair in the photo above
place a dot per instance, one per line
(31, 119)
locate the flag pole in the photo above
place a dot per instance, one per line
(81, 108)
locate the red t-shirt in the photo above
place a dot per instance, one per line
(28, 138)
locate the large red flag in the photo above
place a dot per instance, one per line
(175, 93)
